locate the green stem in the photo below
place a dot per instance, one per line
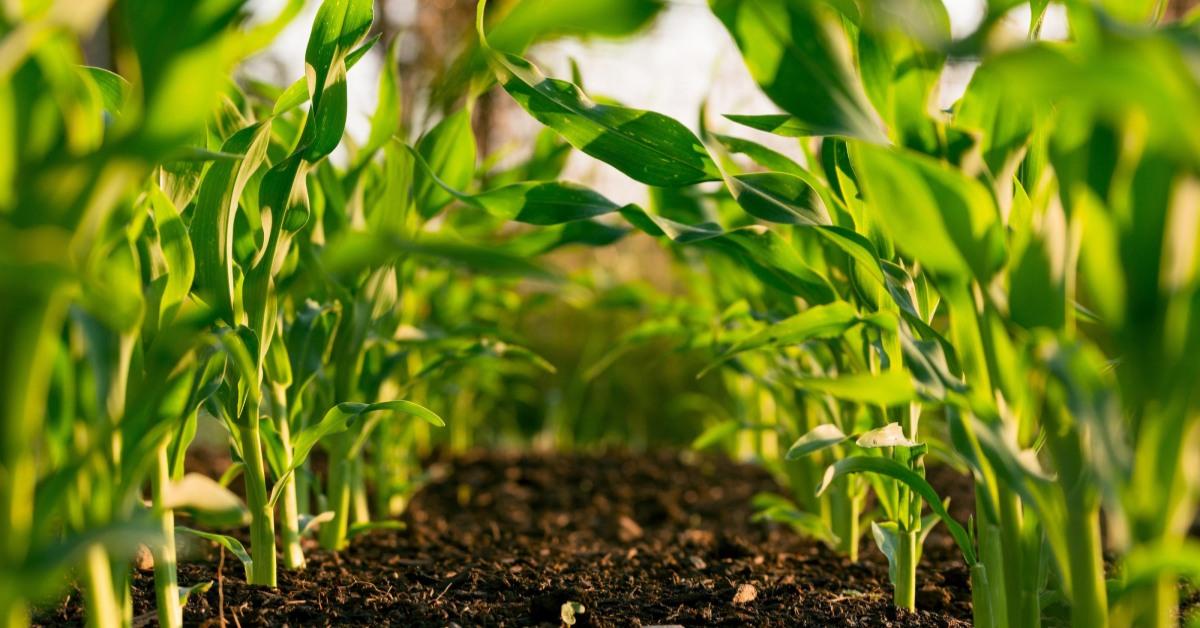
(333, 533)
(360, 510)
(289, 527)
(262, 519)
(844, 510)
(29, 322)
(166, 586)
(100, 598)
(981, 599)
(904, 592)
(1156, 605)
(1089, 598)
(1011, 546)
(991, 555)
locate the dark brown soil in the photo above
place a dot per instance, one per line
(506, 540)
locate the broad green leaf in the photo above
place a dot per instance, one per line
(887, 539)
(780, 198)
(885, 389)
(114, 89)
(761, 155)
(800, 57)
(938, 216)
(177, 253)
(817, 439)
(338, 27)
(212, 218)
(779, 124)
(228, 542)
(353, 252)
(545, 203)
(772, 507)
(448, 151)
(533, 202)
(339, 419)
(185, 52)
(647, 146)
(1037, 289)
(820, 321)
(897, 471)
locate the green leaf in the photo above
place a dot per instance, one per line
(206, 501)
(716, 434)
(212, 218)
(359, 528)
(228, 542)
(448, 151)
(937, 216)
(647, 146)
(780, 197)
(885, 389)
(887, 539)
(353, 252)
(772, 507)
(114, 89)
(338, 27)
(820, 321)
(897, 471)
(817, 439)
(800, 57)
(200, 588)
(177, 253)
(761, 155)
(548, 203)
(339, 419)
(778, 124)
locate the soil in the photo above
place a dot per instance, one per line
(507, 539)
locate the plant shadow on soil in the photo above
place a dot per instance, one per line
(637, 539)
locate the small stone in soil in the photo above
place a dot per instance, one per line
(746, 593)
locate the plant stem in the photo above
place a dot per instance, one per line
(333, 533)
(981, 603)
(262, 519)
(293, 553)
(100, 599)
(904, 593)
(1010, 544)
(1156, 605)
(166, 586)
(1089, 598)
(844, 509)
(991, 555)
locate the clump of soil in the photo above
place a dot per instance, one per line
(636, 539)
